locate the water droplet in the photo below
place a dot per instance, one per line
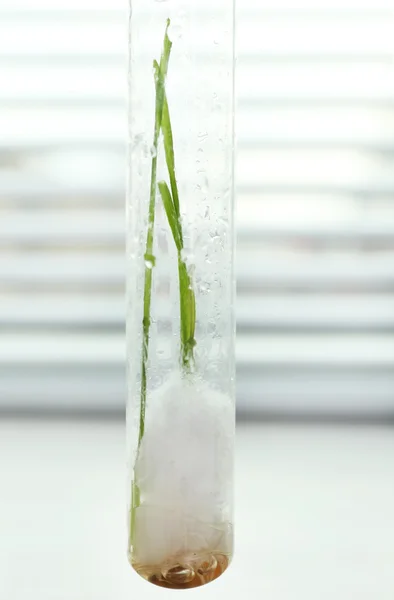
(200, 153)
(205, 288)
(187, 256)
(137, 139)
(223, 221)
(153, 151)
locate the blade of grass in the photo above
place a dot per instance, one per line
(172, 209)
(172, 218)
(188, 314)
(186, 293)
(169, 153)
(160, 73)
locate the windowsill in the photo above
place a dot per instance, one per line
(314, 513)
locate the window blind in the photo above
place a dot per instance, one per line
(315, 205)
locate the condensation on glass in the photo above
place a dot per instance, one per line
(180, 291)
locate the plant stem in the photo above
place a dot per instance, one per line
(160, 75)
(171, 206)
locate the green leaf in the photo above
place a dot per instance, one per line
(169, 153)
(160, 73)
(166, 51)
(172, 208)
(188, 313)
(171, 214)
(183, 285)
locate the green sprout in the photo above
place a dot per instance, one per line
(170, 199)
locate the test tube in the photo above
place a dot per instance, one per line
(180, 291)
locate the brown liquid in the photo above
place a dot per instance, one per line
(182, 572)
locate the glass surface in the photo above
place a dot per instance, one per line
(180, 321)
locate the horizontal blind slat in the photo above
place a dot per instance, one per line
(279, 311)
(29, 129)
(79, 227)
(365, 393)
(265, 268)
(269, 350)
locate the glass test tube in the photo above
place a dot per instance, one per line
(180, 290)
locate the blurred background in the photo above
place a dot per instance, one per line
(315, 269)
